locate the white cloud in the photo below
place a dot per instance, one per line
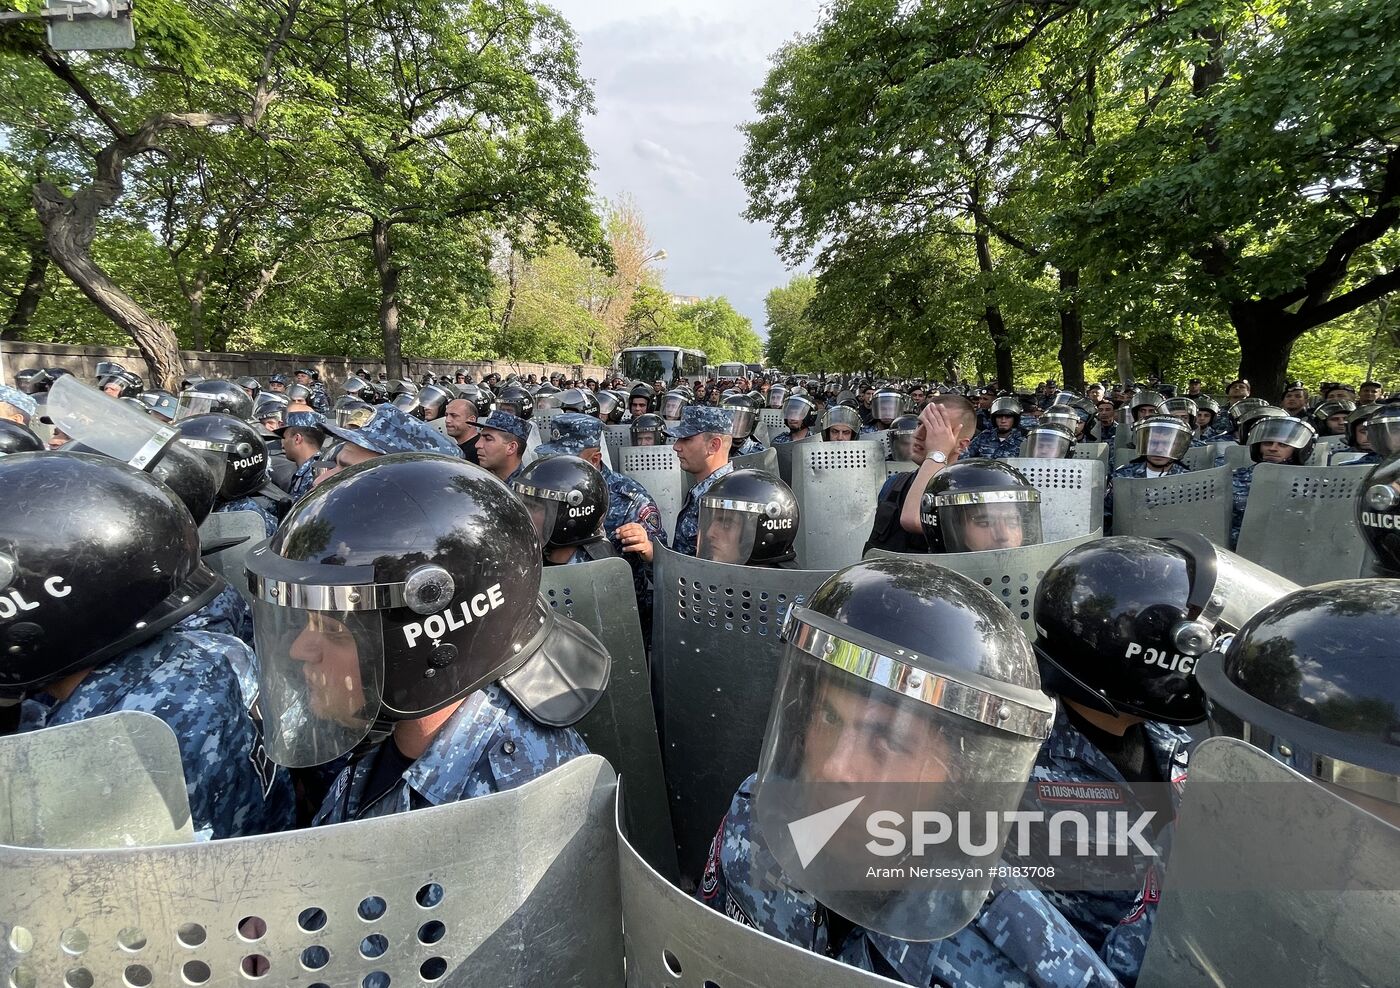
(674, 79)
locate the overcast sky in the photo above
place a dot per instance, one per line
(673, 80)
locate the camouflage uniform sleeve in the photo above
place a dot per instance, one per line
(1239, 483)
(1040, 942)
(226, 614)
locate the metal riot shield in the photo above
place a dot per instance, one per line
(784, 452)
(1203, 457)
(1071, 495)
(1011, 574)
(1338, 459)
(674, 941)
(1300, 522)
(893, 467)
(657, 469)
(770, 424)
(836, 485)
(112, 781)
(1273, 880)
(1091, 451)
(1199, 501)
(228, 563)
(1322, 449)
(766, 460)
(518, 888)
(617, 437)
(715, 653)
(622, 727)
(1237, 456)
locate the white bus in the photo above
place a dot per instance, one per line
(668, 364)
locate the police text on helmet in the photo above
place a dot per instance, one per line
(437, 625)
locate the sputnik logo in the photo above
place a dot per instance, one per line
(811, 833)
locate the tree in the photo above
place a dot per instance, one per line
(786, 310)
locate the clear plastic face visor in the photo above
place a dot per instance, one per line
(1383, 431)
(976, 522)
(902, 446)
(321, 675)
(672, 406)
(741, 421)
(887, 406)
(796, 412)
(728, 530)
(545, 507)
(1046, 444)
(107, 424)
(192, 403)
(776, 396)
(853, 718)
(1168, 439)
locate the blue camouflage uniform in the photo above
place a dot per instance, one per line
(318, 399)
(984, 420)
(871, 428)
(303, 478)
(1016, 941)
(1368, 457)
(1118, 923)
(988, 445)
(1108, 434)
(204, 686)
(248, 504)
(488, 745)
(1134, 468)
(389, 430)
(749, 445)
(226, 614)
(1240, 482)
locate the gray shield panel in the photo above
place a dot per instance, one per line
(1011, 574)
(770, 424)
(1199, 501)
(622, 727)
(617, 437)
(246, 525)
(1339, 458)
(785, 452)
(836, 485)
(767, 460)
(1091, 451)
(518, 888)
(1237, 456)
(1322, 449)
(112, 781)
(1299, 522)
(1243, 823)
(675, 941)
(657, 469)
(893, 467)
(715, 653)
(1203, 457)
(1123, 455)
(1071, 495)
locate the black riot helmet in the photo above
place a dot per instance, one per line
(33, 380)
(777, 395)
(901, 433)
(516, 400)
(978, 504)
(238, 443)
(641, 390)
(15, 438)
(1329, 418)
(1295, 433)
(109, 373)
(1314, 680)
(1378, 500)
(578, 400)
(356, 387)
(1007, 405)
(743, 417)
(192, 475)
(610, 407)
(649, 430)
(214, 396)
(251, 385)
(396, 588)
(1048, 440)
(162, 403)
(1120, 622)
(1383, 429)
(270, 405)
(1356, 421)
(95, 558)
(749, 518)
(432, 401)
(897, 649)
(799, 412)
(567, 499)
(407, 402)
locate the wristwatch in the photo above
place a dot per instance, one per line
(938, 456)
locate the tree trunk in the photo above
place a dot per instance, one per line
(196, 300)
(388, 297)
(1266, 336)
(1124, 360)
(1071, 332)
(69, 226)
(996, 325)
(27, 301)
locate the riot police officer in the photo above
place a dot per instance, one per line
(976, 504)
(1273, 439)
(862, 710)
(1047, 440)
(748, 518)
(301, 437)
(1378, 498)
(639, 400)
(213, 396)
(840, 424)
(116, 381)
(1003, 440)
(648, 429)
(743, 419)
(240, 448)
(94, 591)
(901, 433)
(568, 501)
(886, 405)
(799, 415)
(421, 644)
(1161, 442)
(1358, 439)
(516, 400)
(1120, 623)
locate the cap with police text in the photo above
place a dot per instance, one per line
(391, 431)
(512, 425)
(696, 419)
(571, 433)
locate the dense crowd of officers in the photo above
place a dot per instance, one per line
(396, 656)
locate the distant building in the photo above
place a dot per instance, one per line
(685, 299)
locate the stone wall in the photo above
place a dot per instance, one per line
(83, 361)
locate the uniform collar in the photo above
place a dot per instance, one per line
(443, 770)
